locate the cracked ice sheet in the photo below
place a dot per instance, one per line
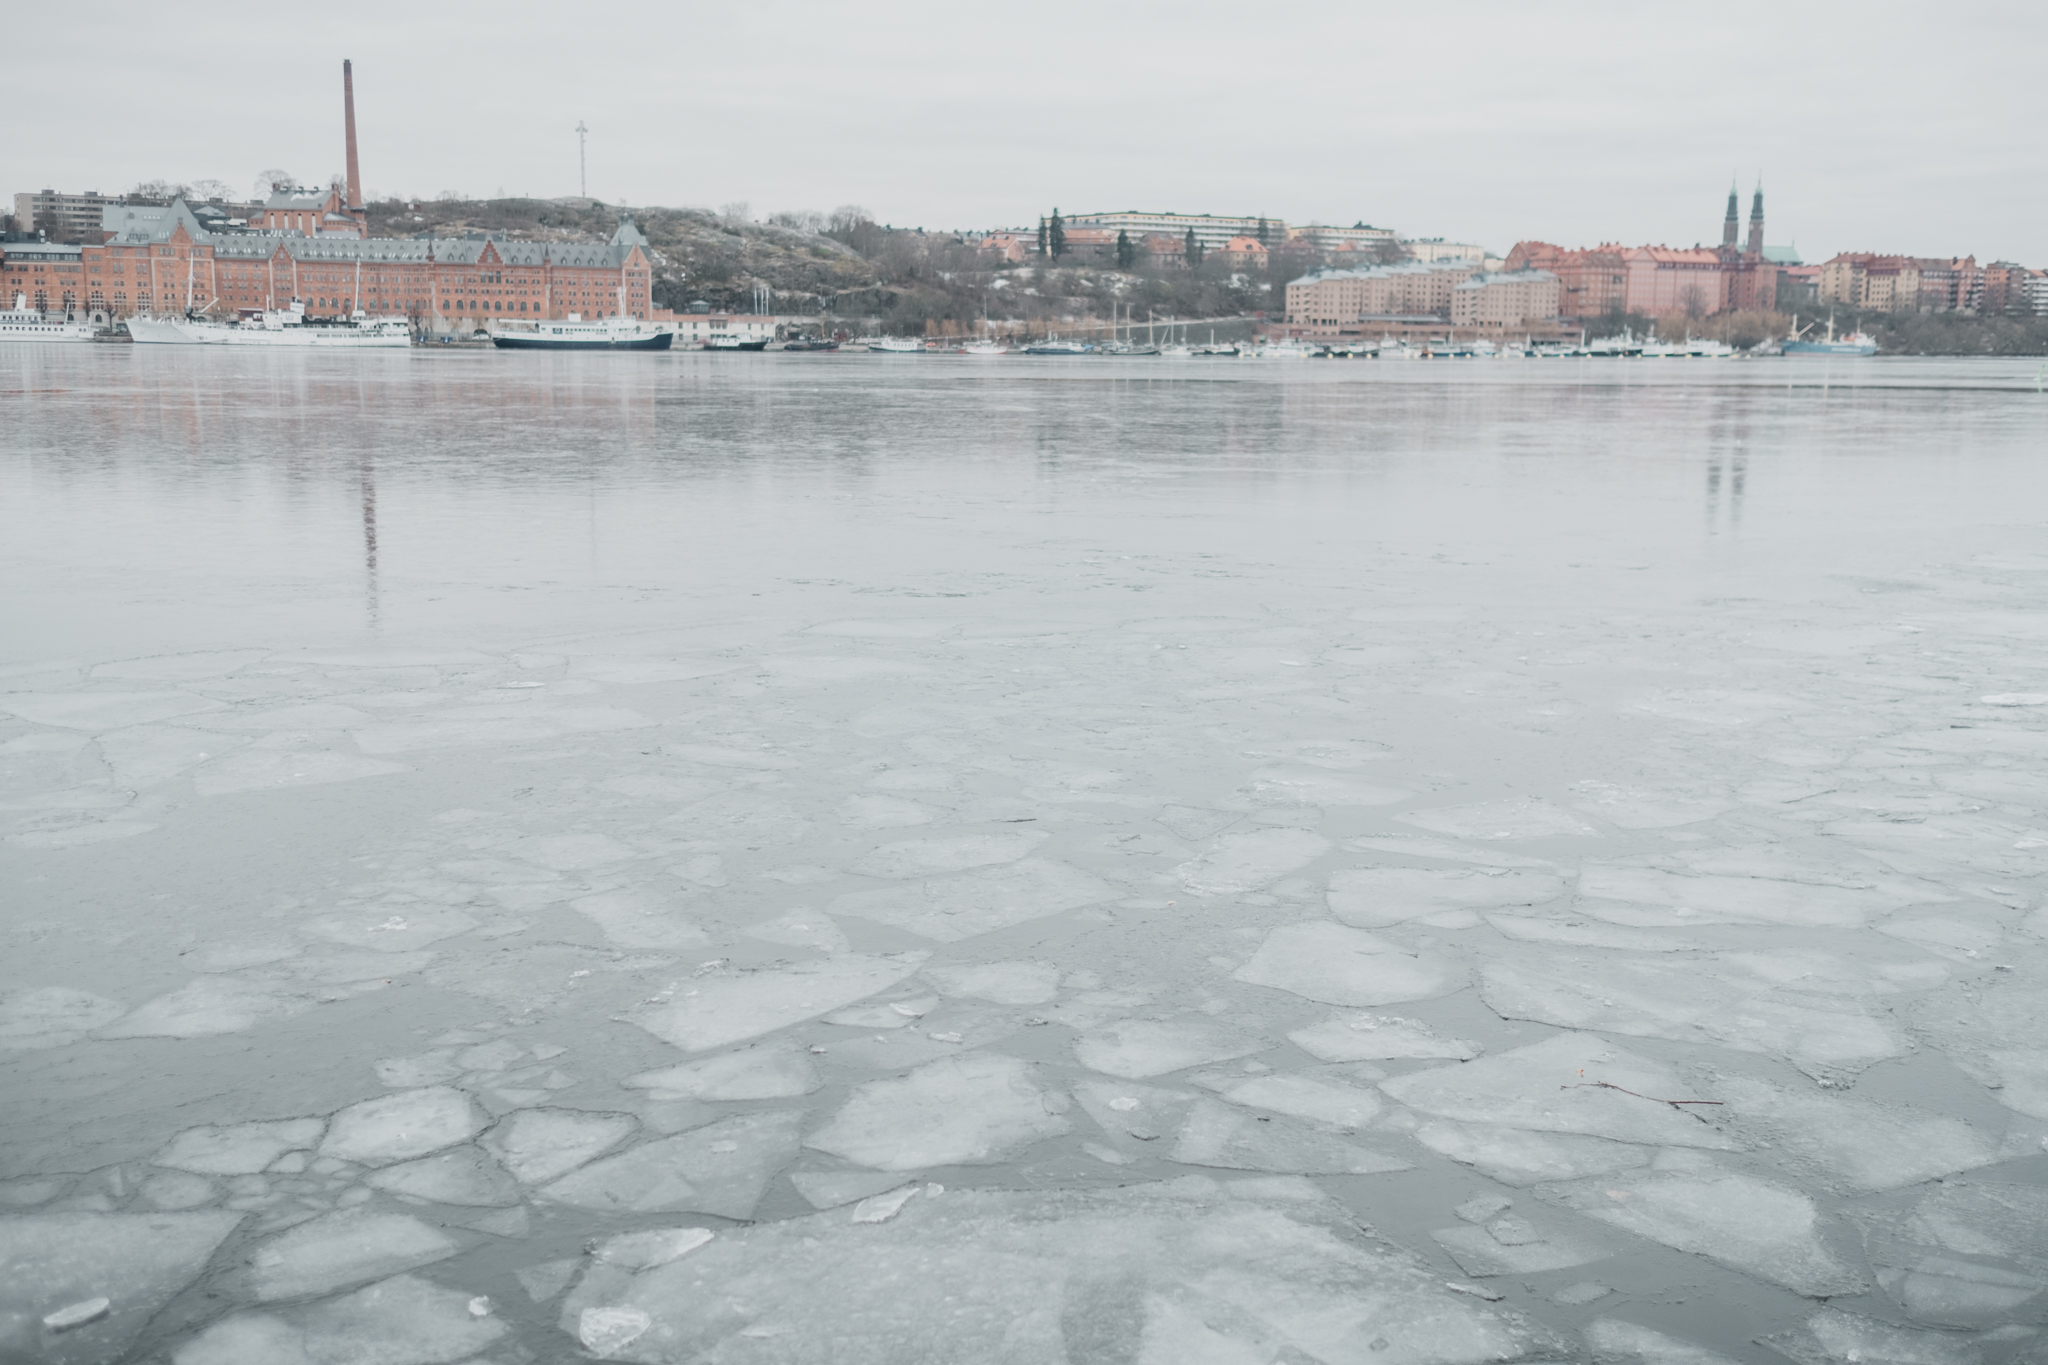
(712, 1011)
(948, 909)
(1195, 1269)
(140, 1261)
(1722, 999)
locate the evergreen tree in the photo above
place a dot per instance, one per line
(1056, 236)
(1126, 251)
(1262, 232)
(1041, 235)
(1193, 249)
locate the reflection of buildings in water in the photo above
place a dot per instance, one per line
(1732, 467)
(367, 475)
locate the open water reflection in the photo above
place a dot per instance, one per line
(461, 807)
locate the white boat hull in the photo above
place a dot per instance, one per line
(378, 336)
(22, 326)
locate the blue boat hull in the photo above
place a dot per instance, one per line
(1829, 348)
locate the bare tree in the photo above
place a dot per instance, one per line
(211, 189)
(800, 220)
(736, 213)
(273, 180)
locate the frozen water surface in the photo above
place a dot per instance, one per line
(740, 858)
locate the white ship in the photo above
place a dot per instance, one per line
(896, 346)
(287, 328)
(574, 334)
(23, 323)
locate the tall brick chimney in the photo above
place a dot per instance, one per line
(348, 108)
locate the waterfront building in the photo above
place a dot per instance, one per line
(315, 248)
(1865, 279)
(2003, 289)
(1505, 299)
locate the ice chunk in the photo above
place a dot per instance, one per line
(880, 1208)
(1986, 1219)
(1573, 1083)
(1248, 861)
(1755, 1227)
(465, 1176)
(605, 1332)
(1516, 1249)
(494, 726)
(144, 755)
(1515, 1156)
(400, 1321)
(102, 710)
(1580, 933)
(1377, 1037)
(1304, 1097)
(1216, 1135)
(51, 1016)
(803, 929)
(1718, 999)
(1370, 897)
(949, 909)
(260, 767)
(716, 1010)
(1342, 966)
(1832, 1336)
(402, 1125)
(1637, 808)
(1318, 786)
(759, 1073)
(968, 1110)
(721, 1168)
(830, 1189)
(238, 1149)
(539, 1145)
(336, 1250)
(922, 857)
(77, 1314)
(1528, 818)
(1613, 1338)
(1863, 1146)
(1004, 983)
(207, 1006)
(636, 919)
(138, 1261)
(417, 927)
(656, 1246)
(1958, 1293)
(883, 812)
(1183, 1272)
(1136, 1048)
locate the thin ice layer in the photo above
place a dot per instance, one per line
(1342, 966)
(400, 1321)
(136, 1260)
(966, 1110)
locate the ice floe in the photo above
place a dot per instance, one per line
(948, 909)
(240, 1148)
(1616, 1340)
(1520, 1157)
(636, 919)
(717, 1010)
(1851, 1143)
(51, 1016)
(466, 1177)
(1338, 965)
(337, 1250)
(403, 1125)
(1755, 1226)
(923, 857)
(721, 1168)
(1377, 1037)
(1180, 1272)
(1003, 983)
(1137, 1048)
(1215, 1134)
(1248, 861)
(539, 1145)
(759, 1073)
(400, 1321)
(1527, 818)
(206, 1006)
(966, 1110)
(1370, 897)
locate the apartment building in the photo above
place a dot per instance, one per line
(1505, 299)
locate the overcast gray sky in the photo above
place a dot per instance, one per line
(1876, 126)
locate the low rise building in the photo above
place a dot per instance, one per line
(1433, 249)
(1241, 253)
(1333, 298)
(1165, 251)
(1507, 299)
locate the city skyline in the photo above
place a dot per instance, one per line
(1557, 126)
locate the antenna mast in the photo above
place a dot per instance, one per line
(582, 162)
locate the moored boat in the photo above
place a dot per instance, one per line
(1855, 343)
(23, 323)
(288, 328)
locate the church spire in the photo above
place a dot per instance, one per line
(1733, 222)
(1756, 220)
